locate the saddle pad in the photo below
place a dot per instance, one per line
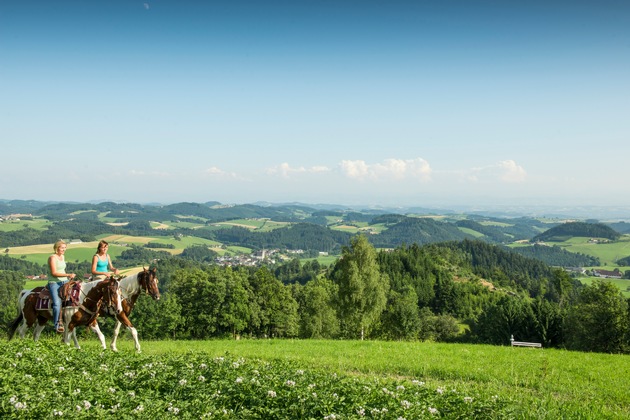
(42, 304)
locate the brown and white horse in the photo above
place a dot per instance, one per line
(104, 296)
(30, 316)
(131, 287)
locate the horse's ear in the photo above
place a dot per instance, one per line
(144, 269)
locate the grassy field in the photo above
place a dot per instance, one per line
(540, 383)
(13, 225)
(608, 253)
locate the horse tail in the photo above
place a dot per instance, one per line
(14, 324)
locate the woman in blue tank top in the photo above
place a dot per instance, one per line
(101, 263)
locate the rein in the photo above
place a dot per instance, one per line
(106, 294)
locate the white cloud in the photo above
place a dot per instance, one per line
(285, 170)
(507, 171)
(397, 169)
(219, 173)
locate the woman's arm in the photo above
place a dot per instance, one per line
(94, 261)
(111, 266)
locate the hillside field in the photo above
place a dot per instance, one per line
(533, 383)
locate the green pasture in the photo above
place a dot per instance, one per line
(622, 284)
(607, 252)
(235, 250)
(326, 260)
(539, 383)
(262, 225)
(471, 232)
(13, 225)
(183, 242)
(495, 223)
(331, 220)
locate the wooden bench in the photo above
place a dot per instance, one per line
(523, 343)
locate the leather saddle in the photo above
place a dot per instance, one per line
(69, 294)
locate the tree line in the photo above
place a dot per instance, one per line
(467, 291)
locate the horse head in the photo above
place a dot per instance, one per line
(112, 297)
(149, 282)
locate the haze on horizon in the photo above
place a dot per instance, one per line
(402, 103)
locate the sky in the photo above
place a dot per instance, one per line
(390, 103)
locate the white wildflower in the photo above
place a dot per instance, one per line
(468, 399)
(417, 382)
(405, 404)
(203, 366)
(361, 411)
(76, 391)
(271, 393)
(290, 383)
(18, 355)
(300, 372)
(239, 380)
(132, 394)
(433, 410)
(201, 378)
(87, 404)
(439, 391)
(183, 382)
(400, 388)
(20, 405)
(61, 368)
(138, 409)
(111, 390)
(57, 413)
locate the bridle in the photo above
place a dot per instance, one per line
(109, 296)
(144, 280)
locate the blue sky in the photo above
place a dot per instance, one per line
(349, 102)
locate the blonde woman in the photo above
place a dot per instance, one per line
(102, 263)
(57, 266)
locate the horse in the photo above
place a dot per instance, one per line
(104, 296)
(30, 315)
(131, 287)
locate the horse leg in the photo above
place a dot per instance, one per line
(22, 328)
(70, 328)
(94, 327)
(39, 327)
(134, 334)
(115, 336)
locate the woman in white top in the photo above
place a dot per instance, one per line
(57, 266)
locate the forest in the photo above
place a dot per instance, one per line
(465, 291)
(424, 280)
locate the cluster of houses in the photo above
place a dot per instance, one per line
(265, 256)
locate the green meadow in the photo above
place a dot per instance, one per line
(533, 383)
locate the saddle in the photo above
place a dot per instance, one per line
(69, 294)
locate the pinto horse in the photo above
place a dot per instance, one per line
(104, 296)
(30, 315)
(131, 287)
